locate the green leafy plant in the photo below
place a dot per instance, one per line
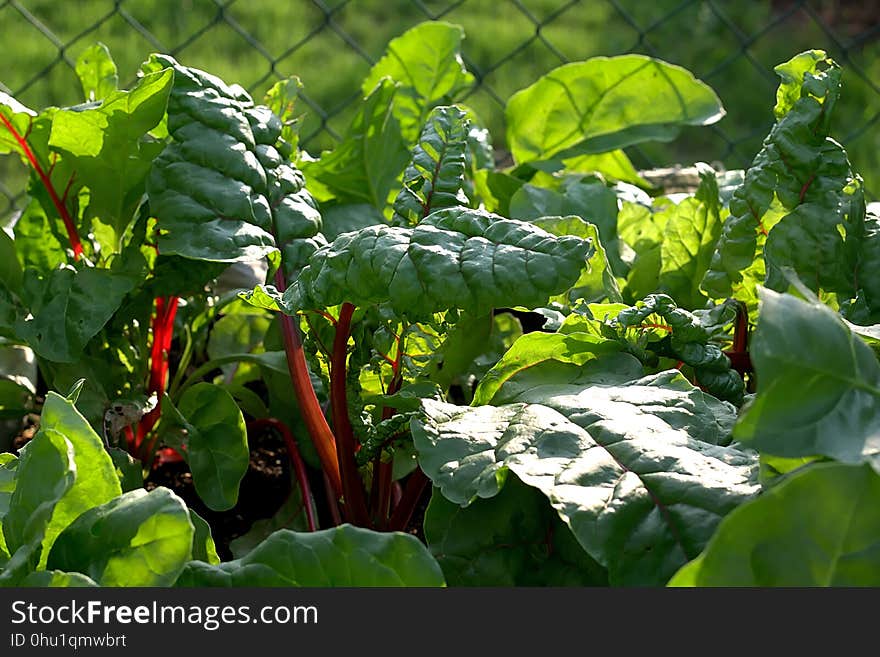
(551, 374)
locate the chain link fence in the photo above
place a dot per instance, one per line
(330, 45)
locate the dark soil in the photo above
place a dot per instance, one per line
(263, 490)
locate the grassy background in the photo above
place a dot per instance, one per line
(330, 45)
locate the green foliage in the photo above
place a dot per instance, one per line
(574, 313)
(642, 491)
(818, 528)
(207, 426)
(455, 258)
(603, 104)
(342, 556)
(426, 64)
(818, 385)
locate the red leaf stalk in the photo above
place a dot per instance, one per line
(316, 424)
(355, 507)
(69, 226)
(163, 332)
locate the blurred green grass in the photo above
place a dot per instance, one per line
(329, 44)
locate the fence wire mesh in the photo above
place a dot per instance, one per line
(331, 44)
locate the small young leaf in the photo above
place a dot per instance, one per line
(435, 176)
(96, 72)
(426, 63)
(209, 429)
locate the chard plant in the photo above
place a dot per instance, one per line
(552, 373)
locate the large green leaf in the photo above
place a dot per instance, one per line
(691, 232)
(685, 339)
(342, 556)
(512, 539)
(820, 527)
(136, 539)
(537, 348)
(800, 205)
(208, 428)
(223, 190)
(365, 165)
(591, 200)
(69, 307)
(105, 146)
(637, 470)
(454, 258)
(818, 384)
(426, 63)
(46, 472)
(604, 104)
(96, 481)
(596, 282)
(434, 178)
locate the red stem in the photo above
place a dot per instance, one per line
(415, 486)
(313, 416)
(383, 472)
(163, 332)
(47, 183)
(299, 467)
(355, 505)
(331, 501)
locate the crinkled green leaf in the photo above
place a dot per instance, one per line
(104, 145)
(592, 201)
(688, 341)
(799, 203)
(820, 527)
(97, 73)
(223, 190)
(818, 385)
(636, 470)
(209, 429)
(426, 62)
(689, 239)
(455, 258)
(136, 539)
(434, 178)
(365, 165)
(69, 307)
(603, 104)
(597, 282)
(512, 539)
(342, 556)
